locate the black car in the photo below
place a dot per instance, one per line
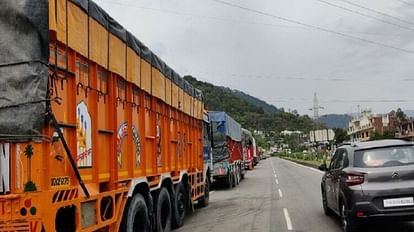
(370, 181)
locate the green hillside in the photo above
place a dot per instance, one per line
(252, 113)
(255, 101)
(335, 120)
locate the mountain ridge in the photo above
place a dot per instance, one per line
(251, 112)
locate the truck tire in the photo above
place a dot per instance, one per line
(234, 177)
(163, 211)
(237, 175)
(230, 180)
(203, 201)
(136, 217)
(180, 205)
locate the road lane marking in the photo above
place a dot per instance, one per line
(280, 193)
(273, 168)
(275, 176)
(277, 181)
(287, 218)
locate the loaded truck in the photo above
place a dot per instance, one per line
(249, 148)
(228, 161)
(257, 155)
(207, 154)
(97, 133)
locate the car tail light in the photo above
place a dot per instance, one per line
(355, 178)
(360, 214)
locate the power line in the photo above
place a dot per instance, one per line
(407, 3)
(301, 77)
(315, 27)
(342, 101)
(234, 20)
(200, 16)
(377, 12)
(366, 15)
(296, 77)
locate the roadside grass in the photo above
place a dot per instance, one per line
(313, 160)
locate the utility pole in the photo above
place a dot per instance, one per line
(316, 107)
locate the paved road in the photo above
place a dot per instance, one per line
(277, 196)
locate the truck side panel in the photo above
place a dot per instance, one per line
(122, 118)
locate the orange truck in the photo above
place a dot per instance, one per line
(96, 132)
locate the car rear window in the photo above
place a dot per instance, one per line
(384, 157)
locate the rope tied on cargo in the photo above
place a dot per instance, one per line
(56, 99)
(19, 138)
(68, 153)
(23, 62)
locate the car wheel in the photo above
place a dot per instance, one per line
(328, 211)
(348, 224)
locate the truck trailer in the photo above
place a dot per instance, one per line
(97, 133)
(228, 160)
(249, 148)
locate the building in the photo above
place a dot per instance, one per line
(363, 127)
(405, 130)
(287, 132)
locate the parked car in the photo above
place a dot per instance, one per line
(370, 181)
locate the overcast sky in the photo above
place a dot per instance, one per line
(250, 48)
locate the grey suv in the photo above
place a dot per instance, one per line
(368, 181)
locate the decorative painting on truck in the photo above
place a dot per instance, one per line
(137, 142)
(121, 135)
(158, 140)
(83, 136)
(4, 167)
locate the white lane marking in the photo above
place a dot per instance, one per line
(275, 176)
(287, 218)
(303, 166)
(280, 193)
(273, 168)
(277, 181)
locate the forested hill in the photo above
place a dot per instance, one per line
(255, 101)
(251, 112)
(335, 120)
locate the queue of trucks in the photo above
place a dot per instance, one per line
(97, 133)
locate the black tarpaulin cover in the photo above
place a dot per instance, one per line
(24, 54)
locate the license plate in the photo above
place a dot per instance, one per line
(395, 202)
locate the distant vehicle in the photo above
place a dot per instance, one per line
(227, 149)
(264, 156)
(249, 148)
(370, 181)
(207, 156)
(256, 156)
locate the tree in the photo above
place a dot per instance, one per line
(401, 116)
(386, 135)
(341, 135)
